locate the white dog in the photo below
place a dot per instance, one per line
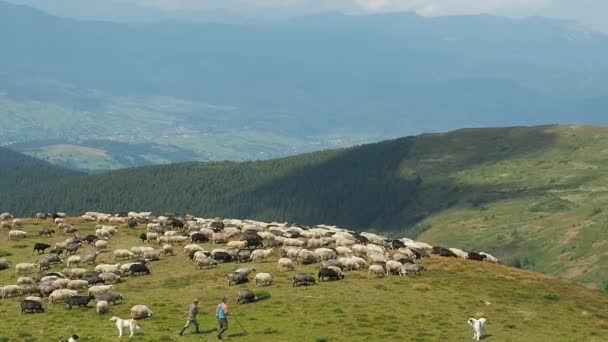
(478, 326)
(121, 324)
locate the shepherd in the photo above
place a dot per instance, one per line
(222, 317)
(192, 313)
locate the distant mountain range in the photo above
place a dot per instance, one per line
(263, 90)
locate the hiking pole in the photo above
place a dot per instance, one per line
(239, 323)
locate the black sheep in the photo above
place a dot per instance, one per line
(138, 269)
(78, 301)
(222, 256)
(31, 306)
(40, 247)
(327, 274)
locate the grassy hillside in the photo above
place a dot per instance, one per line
(18, 171)
(519, 305)
(534, 196)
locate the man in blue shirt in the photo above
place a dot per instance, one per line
(222, 317)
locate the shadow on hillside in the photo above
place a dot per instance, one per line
(394, 184)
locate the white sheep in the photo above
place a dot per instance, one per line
(259, 255)
(74, 260)
(201, 260)
(306, 257)
(24, 267)
(61, 295)
(376, 270)
(61, 282)
(77, 284)
(323, 254)
(192, 248)
(489, 257)
(101, 245)
(58, 220)
(10, 291)
(98, 289)
(395, 267)
(338, 271)
(285, 264)
(236, 244)
(17, 223)
(77, 273)
(101, 268)
(17, 235)
(168, 250)
(25, 281)
(153, 254)
(102, 307)
(122, 254)
(459, 253)
(263, 279)
(140, 312)
(343, 251)
(109, 278)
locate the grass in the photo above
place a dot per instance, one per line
(519, 305)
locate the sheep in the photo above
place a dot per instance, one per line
(236, 244)
(25, 281)
(327, 274)
(359, 250)
(151, 237)
(218, 238)
(459, 253)
(259, 254)
(338, 271)
(201, 260)
(98, 289)
(306, 257)
(24, 267)
(10, 291)
(236, 278)
(17, 235)
(168, 250)
(109, 278)
(290, 252)
(293, 242)
(245, 296)
(58, 220)
(416, 268)
(140, 312)
(303, 279)
(322, 254)
(61, 282)
(77, 284)
(6, 216)
(285, 264)
(4, 264)
(489, 257)
(101, 245)
(178, 240)
(263, 279)
(122, 254)
(110, 297)
(153, 254)
(34, 298)
(395, 267)
(46, 231)
(91, 257)
(61, 295)
(138, 269)
(5, 225)
(103, 234)
(376, 270)
(31, 306)
(17, 223)
(192, 248)
(47, 289)
(78, 301)
(343, 251)
(108, 268)
(102, 307)
(76, 273)
(74, 260)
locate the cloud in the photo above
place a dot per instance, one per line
(424, 7)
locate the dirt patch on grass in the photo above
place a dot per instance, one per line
(577, 267)
(573, 232)
(422, 287)
(599, 244)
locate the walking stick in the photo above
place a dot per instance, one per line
(239, 323)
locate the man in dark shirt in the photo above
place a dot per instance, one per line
(192, 313)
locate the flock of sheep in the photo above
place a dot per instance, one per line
(337, 251)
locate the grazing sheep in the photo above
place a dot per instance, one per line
(91, 257)
(168, 250)
(61, 282)
(285, 264)
(122, 254)
(74, 260)
(77, 284)
(101, 245)
(201, 260)
(40, 247)
(259, 255)
(263, 279)
(109, 278)
(6, 216)
(76, 273)
(322, 254)
(444, 252)
(121, 324)
(17, 223)
(47, 289)
(153, 254)
(139, 269)
(46, 231)
(303, 279)
(236, 278)
(236, 244)
(102, 307)
(416, 268)
(98, 289)
(108, 268)
(17, 235)
(478, 326)
(338, 270)
(4, 264)
(192, 248)
(395, 267)
(245, 270)
(5, 225)
(140, 312)
(58, 220)
(376, 270)
(327, 274)
(31, 306)
(489, 257)
(61, 295)
(25, 281)
(103, 234)
(78, 301)
(10, 291)
(24, 267)
(245, 296)
(110, 297)
(306, 257)
(459, 253)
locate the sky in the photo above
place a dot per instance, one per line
(591, 13)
